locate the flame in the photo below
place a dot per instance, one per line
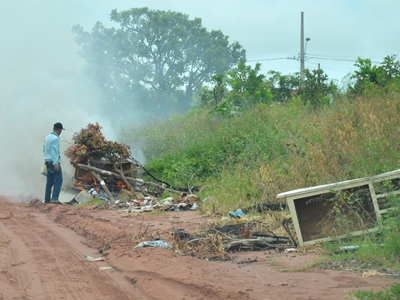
(96, 186)
(121, 185)
(78, 185)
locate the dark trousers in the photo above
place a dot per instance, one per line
(54, 180)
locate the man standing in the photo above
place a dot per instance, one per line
(52, 159)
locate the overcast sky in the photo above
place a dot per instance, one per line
(339, 30)
(40, 72)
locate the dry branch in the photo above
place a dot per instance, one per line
(103, 186)
(135, 181)
(121, 173)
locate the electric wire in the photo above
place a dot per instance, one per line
(313, 56)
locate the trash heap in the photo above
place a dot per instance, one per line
(146, 204)
(106, 170)
(219, 241)
(102, 174)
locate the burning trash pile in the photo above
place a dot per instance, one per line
(107, 171)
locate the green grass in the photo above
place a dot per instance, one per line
(271, 149)
(391, 293)
(248, 159)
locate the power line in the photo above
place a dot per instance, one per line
(329, 58)
(278, 58)
(315, 56)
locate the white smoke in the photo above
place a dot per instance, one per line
(42, 82)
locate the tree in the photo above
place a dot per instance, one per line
(214, 96)
(237, 89)
(248, 86)
(160, 57)
(316, 88)
(283, 86)
(380, 75)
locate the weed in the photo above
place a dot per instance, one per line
(251, 157)
(392, 293)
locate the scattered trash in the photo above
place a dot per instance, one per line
(167, 199)
(372, 273)
(147, 208)
(237, 214)
(289, 250)
(348, 248)
(194, 207)
(89, 258)
(93, 192)
(154, 244)
(247, 261)
(83, 197)
(105, 268)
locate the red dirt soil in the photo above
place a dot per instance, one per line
(42, 251)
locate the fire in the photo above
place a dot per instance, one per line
(121, 185)
(78, 185)
(95, 185)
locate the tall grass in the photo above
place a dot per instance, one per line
(250, 158)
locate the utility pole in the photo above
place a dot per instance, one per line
(302, 47)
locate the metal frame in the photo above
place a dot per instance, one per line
(300, 194)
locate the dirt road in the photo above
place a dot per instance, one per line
(42, 251)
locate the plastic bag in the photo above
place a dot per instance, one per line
(154, 244)
(89, 258)
(43, 170)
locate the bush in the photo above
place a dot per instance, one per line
(268, 149)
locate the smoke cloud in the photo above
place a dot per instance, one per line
(42, 82)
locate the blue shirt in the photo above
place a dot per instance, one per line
(51, 149)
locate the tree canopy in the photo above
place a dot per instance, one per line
(153, 58)
(379, 75)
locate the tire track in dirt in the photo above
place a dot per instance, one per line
(57, 270)
(146, 275)
(32, 233)
(172, 288)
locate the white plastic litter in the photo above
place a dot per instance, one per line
(89, 258)
(288, 250)
(154, 244)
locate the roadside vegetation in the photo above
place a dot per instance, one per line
(241, 156)
(238, 138)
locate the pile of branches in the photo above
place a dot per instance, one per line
(217, 243)
(90, 145)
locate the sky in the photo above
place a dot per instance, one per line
(42, 79)
(340, 31)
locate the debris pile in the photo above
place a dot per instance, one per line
(218, 242)
(145, 204)
(106, 169)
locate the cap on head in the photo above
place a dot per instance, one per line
(58, 125)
